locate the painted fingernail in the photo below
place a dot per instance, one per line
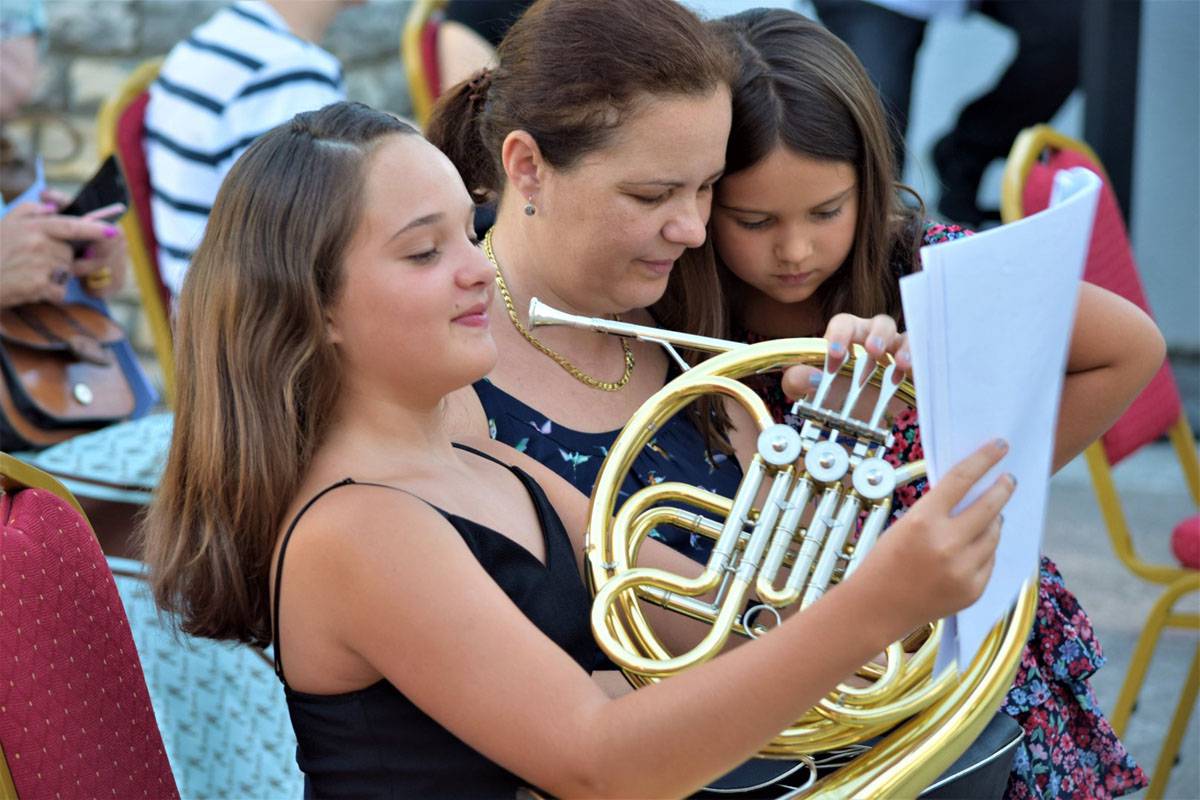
(905, 355)
(109, 232)
(837, 348)
(49, 207)
(1013, 478)
(814, 380)
(1002, 445)
(60, 276)
(876, 343)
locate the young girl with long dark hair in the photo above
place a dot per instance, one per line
(810, 236)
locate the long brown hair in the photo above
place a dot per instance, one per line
(568, 73)
(256, 374)
(799, 86)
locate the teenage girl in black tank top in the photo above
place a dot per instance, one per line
(375, 741)
(432, 626)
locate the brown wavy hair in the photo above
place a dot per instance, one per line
(257, 376)
(568, 72)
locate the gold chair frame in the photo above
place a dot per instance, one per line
(410, 53)
(145, 271)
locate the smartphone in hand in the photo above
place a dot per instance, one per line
(104, 188)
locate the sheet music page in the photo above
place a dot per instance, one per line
(989, 322)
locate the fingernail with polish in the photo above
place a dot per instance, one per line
(60, 276)
(905, 355)
(49, 207)
(876, 342)
(814, 380)
(1002, 445)
(1013, 478)
(109, 232)
(836, 348)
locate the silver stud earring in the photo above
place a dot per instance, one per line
(529, 209)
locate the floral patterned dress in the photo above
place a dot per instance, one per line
(1069, 749)
(677, 453)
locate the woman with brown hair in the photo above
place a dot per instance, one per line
(423, 595)
(811, 236)
(599, 134)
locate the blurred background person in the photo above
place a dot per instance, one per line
(251, 66)
(39, 257)
(886, 35)
(36, 257)
(469, 34)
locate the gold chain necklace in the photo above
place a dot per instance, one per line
(574, 371)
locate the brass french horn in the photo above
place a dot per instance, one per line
(812, 502)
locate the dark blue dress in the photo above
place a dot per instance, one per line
(677, 453)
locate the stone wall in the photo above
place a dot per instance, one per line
(93, 45)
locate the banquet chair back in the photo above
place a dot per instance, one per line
(75, 715)
(1037, 154)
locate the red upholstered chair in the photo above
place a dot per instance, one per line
(418, 51)
(1037, 154)
(120, 127)
(75, 716)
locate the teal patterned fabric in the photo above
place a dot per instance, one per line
(221, 711)
(121, 463)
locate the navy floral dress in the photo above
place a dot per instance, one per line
(677, 453)
(1069, 749)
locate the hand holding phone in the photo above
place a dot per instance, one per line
(104, 197)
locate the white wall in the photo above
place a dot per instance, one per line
(1166, 177)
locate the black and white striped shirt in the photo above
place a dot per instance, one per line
(237, 76)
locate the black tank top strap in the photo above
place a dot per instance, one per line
(482, 454)
(545, 511)
(283, 548)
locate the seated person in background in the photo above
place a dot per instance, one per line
(811, 236)
(36, 258)
(245, 70)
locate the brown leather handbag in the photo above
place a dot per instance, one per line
(61, 374)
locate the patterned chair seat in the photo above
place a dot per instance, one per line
(219, 706)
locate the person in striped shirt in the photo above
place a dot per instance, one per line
(251, 66)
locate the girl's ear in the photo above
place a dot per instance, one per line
(332, 334)
(523, 163)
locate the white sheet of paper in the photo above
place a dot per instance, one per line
(989, 323)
